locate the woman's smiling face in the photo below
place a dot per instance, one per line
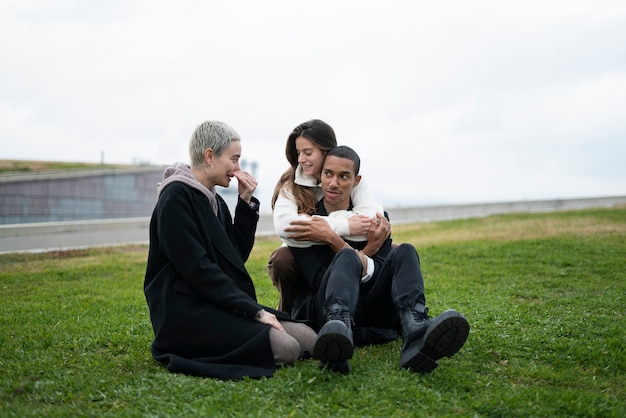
(310, 157)
(225, 165)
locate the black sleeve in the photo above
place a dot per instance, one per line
(181, 240)
(244, 228)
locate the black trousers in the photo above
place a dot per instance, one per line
(376, 303)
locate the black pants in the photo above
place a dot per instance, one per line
(376, 303)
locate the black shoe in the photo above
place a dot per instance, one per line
(414, 325)
(341, 366)
(444, 337)
(334, 340)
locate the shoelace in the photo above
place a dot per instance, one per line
(419, 316)
(343, 316)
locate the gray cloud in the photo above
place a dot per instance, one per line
(446, 101)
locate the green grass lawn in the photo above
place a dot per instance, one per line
(545, 295)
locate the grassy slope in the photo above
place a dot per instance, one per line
(25, 166)
(545, 295)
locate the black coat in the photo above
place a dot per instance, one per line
(201, 298)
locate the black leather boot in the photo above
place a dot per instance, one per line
(427, 340)
(334, 346)
(414, 325)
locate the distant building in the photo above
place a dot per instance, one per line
(88, 194)
(78, 194)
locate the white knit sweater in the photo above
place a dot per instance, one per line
(286, 210)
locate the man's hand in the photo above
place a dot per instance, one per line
(247, 184)
(315, 229)
(359, 224)
(379, 231)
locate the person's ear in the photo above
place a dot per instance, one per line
(357, 180)
(208, 155)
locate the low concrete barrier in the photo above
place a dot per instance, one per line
(448, 212)
(47, 236)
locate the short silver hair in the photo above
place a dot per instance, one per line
(210, 134)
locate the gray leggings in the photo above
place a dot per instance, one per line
(297, 340)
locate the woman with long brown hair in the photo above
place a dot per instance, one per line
(295, 196)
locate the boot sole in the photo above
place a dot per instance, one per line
(444, 338)
(342, 366)
(333, 343)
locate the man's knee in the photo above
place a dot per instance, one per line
(405, 250)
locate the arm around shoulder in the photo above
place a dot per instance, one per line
(363, 201)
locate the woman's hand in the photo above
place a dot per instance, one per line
(265, 317)
(359, 224)
(247, 184)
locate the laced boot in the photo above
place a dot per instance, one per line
(414, 325)
(427, 339)
(334, 346)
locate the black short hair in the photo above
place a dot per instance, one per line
(344, 151)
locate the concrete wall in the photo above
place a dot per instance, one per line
(477, 210)
(76, 234)
(78, 195)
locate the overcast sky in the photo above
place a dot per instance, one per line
(445, 101)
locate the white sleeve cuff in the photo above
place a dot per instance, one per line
(370, 270)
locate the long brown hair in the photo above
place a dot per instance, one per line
(322, 136)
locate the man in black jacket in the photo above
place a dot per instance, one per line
(377, 288)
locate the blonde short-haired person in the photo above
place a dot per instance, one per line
(202, 301)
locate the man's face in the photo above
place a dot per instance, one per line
(338, 180)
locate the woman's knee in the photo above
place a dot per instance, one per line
(285, 348)
(281, 264)
(304, 334)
